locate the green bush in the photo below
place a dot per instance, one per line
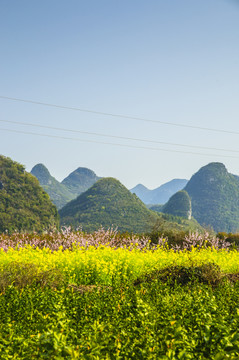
(151, 321)
(21, 275)
(233, 239)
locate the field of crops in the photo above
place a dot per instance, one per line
(105, 296)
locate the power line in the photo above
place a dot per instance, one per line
(116, 136)
(114, 144)
(119, 115)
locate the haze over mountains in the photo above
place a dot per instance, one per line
(211, 197)
(73, 185)
(82, 179)
(161, 194)
(58, 192)
(108, 203)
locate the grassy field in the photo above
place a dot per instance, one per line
(95, 297)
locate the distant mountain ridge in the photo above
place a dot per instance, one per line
(161, 194)
(80, 180)
(211, 195)
(108, 203)
(57, 191)
(62, 192)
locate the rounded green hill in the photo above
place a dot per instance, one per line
(24, 205)
(214, 193)
(108, 203)
(179, 205)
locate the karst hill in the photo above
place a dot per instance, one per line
(73, 185)
(24, 205)
(211, 196)
(214, 193)
(108, 203)
(59, 193)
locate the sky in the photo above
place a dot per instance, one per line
(174, 64)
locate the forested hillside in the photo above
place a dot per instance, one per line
(24, 205)
(214, 193)
(108, 203)
(179, 205)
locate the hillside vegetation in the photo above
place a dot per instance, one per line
(24, 205)
(117, 301)
(105, 204)
(215, 197)
(179, 205)
(168, 224)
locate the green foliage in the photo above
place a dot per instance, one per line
(24, 205)
(215, 197)
(179, 205)
(150, 321)
(157, 208)
(109, 203)
(173, 237)
(105, 204)
(21, 275)
(181, 310)
(173, 227)
(207, 273)
(231, 238)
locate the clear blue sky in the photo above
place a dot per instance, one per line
(173, 61)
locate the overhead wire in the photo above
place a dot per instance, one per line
(119, 115)
(116, 136)
(115, 144)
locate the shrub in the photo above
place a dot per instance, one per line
(24, 274)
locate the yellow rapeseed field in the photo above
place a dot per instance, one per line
(102, 264)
